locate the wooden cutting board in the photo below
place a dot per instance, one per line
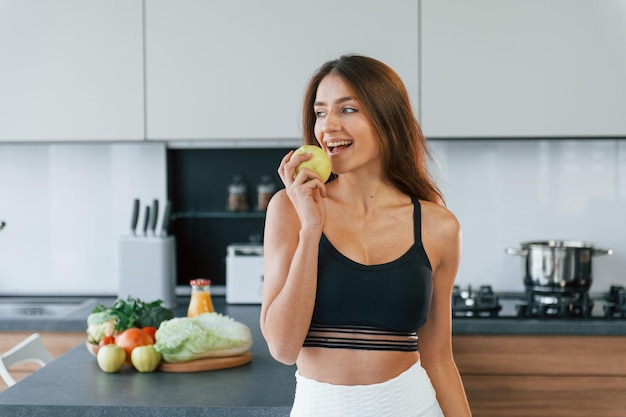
(207, 364)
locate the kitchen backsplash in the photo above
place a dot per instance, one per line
(505, 192)
(67, 205)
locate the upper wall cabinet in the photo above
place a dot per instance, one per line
(238, 69)
(71, 70)
(533, 68)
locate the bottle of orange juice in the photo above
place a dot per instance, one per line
(200, 301)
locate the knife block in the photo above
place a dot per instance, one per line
(147, 269)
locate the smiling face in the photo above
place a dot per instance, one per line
(343, 129)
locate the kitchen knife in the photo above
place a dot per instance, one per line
(135, 217)
(166, 219)
(154, 216)
(146, 221)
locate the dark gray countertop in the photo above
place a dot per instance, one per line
(73, 385)
(546, 327)
(511, 325)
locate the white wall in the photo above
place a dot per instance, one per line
(505, 192)
(66, 206)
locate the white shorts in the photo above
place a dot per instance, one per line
(410, 394)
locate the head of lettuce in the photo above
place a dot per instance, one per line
(208, 335)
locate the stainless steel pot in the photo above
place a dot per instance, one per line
(557, 264)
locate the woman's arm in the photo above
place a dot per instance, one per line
(293, 227)
(442, 240)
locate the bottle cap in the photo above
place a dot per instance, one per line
(200, 282)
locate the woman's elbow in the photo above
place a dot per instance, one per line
(280, 342)
(282, 349)
(284, 356)
(283, 352)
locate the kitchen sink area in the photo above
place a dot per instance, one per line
(35, 307)
(45, 313)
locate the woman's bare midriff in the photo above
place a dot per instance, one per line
(352, 366)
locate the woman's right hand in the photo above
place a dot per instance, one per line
(305, 190)
(293, 228)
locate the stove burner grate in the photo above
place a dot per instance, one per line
(470, 303)
(543, 303)
(616, 306)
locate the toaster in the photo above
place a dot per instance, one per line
(244, 273)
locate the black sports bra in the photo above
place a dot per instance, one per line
(377, 307)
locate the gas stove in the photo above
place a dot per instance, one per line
(469, 302)
(539, 303)
(555, 304)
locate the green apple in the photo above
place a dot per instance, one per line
(319, 162)
(111, 358)
(145, 358)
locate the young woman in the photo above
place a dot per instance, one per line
(357, 267)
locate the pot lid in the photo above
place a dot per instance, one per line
(559, 244)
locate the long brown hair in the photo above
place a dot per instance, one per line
(385, 100)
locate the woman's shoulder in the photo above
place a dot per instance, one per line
(437, 212)
(279, 199)
(280, 202)
(280, 208)
(441, 236)
(439, 221)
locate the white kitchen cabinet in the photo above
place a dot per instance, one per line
(534, 68)
(71, 70)
(238, 69)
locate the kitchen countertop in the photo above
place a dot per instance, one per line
(73, 385)
(535, 327)
(39, 314)
(461, 325)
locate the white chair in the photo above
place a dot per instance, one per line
(30, 349)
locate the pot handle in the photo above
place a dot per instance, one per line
(602, 252)
(516, 251)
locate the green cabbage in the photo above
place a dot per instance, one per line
(183, 339)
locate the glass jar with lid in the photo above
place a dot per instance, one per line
(265, 190)
(200, 301)
(237, 200)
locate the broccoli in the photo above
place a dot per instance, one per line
(153, 316)
(124, 314)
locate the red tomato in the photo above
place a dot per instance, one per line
(107, 340)
(131, 338)
(151, 331)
